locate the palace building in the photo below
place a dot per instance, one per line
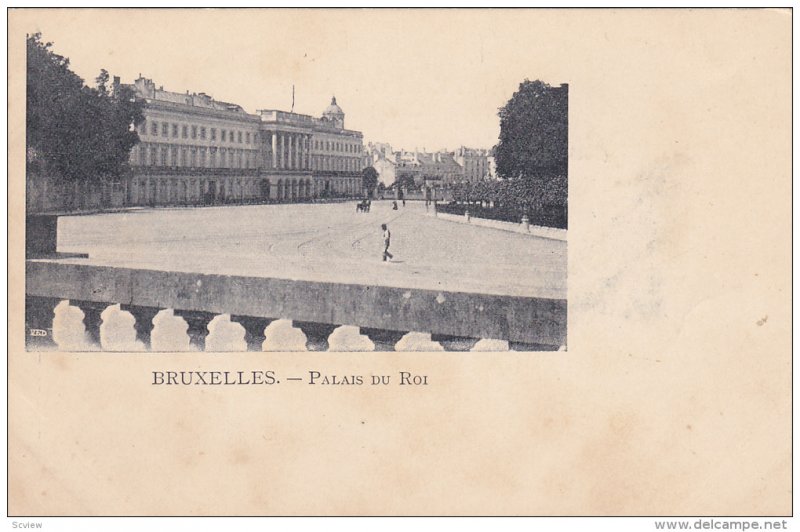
(197, 150)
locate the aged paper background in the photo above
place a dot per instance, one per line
(674, 397)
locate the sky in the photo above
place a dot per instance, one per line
(417, 79)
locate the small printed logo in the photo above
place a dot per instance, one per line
(38, 332)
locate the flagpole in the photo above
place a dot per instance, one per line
(293, 97)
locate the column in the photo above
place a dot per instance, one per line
(274, 154)
(302, 152)
(296, 151)
(283, 152)
(301, 155)
(290, 154)
(308, 152)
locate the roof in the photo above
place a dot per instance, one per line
(333, 108)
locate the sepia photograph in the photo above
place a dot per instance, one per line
(289, 210)
(395, 262)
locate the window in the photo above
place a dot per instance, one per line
(239, 136)
(194, 133)
(175, 130)
(154, 129)
(165, 130)
(213, 133)
(185, 132)
(247, 138)
(202, 133)
(164, 154)
(222, 135)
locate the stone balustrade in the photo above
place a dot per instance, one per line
(77, 307)
(79, 326)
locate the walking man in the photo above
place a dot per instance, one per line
(387, 237)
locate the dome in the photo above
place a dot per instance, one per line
(333, 108)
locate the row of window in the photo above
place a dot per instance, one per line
(342, 164)
(192, 156)
(329, 145)
(185, 131)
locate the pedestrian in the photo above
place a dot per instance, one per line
(387, 237)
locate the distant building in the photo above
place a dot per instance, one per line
(430, 169)
(439, 166)
(198, 150)
(382, 159)
(475, 163)
(492, 167)
(387, 171)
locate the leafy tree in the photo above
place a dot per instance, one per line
(532, 151)
(369, 179)
(533, 132)
(74, 132)
(405, 181)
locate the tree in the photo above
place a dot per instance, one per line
(533, 132)
(405, 181)
(369, 179)
(74, 132)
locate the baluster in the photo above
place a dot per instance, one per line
(169, 332)
(316, 333)
(198, 326)
(91, 312)
(69, 330)
(418, 341)
(144, 321)
(254, 330)
(280, 335)
(349, 338)
(383, 339)
(225, 335)
(117, 332)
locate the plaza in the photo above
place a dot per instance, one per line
(323, 243)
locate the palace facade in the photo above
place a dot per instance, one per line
(197, 150)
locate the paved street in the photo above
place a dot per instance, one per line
(324, 242)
